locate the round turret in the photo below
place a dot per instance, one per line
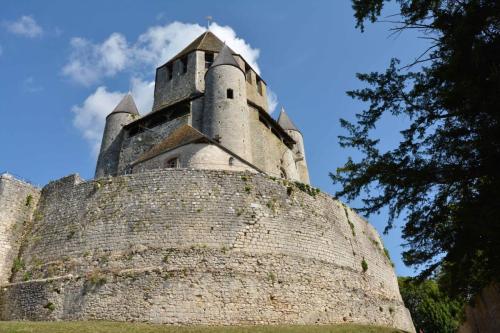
(226, 108)
(300, 155)
(124, 113)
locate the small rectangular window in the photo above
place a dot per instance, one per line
(230, 94)
(259, 86)
(184, 63)
(172, 163)
(209, 59)
(170, 71)
(248, 73)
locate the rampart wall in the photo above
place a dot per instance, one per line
(186, 246)
(18, 200)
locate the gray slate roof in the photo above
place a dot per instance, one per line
(285, 122)
(207, 41)
(126, 105)
(225, 57)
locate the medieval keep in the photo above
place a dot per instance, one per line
(200, 213)
(210, 112)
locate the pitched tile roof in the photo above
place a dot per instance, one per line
(180, 136)
(183, 135)
(205, 42)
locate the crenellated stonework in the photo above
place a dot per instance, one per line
(183, 246)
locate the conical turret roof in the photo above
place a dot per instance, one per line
(225, 57)
(126, 105)
(285, 122)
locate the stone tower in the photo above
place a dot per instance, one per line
(226, 109)
(300, 160)
(124, 113)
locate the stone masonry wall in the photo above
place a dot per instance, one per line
(483, 316)
(187, 246)
(135, 146)
(18, 200)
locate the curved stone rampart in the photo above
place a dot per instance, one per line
(201, 247)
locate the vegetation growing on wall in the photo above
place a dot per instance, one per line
(364, 265)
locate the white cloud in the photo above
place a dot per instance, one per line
(228, 35)
(91, 62)
(25, 26)
(272, 100)
(90, 117)
(88, 61)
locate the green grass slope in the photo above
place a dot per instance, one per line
(118, 327)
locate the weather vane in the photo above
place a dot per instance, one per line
(209, 20)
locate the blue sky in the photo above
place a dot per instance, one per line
(64, 64)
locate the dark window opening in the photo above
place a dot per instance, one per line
(170, 71)
(172, 163)
(209, 59)
(184, 63)
(248, 73)
(259, 86)
(231, 161)
(229, 94)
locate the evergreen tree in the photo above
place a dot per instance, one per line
(443, 177)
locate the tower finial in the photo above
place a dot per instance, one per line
(209, 20)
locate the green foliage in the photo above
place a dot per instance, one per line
(29, 200)
(431, 310)
(349, 221)
(271, 277)
(443, 177)
(248, 188)
(50, 306)
(17, 265)
(307, 189)
(96, 278)
(364, 265)
(387, 254)
(27, 276)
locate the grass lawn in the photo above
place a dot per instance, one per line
(116, 327)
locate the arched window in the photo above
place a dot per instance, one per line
(230, 93)
(172, 163)
(231, 161)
